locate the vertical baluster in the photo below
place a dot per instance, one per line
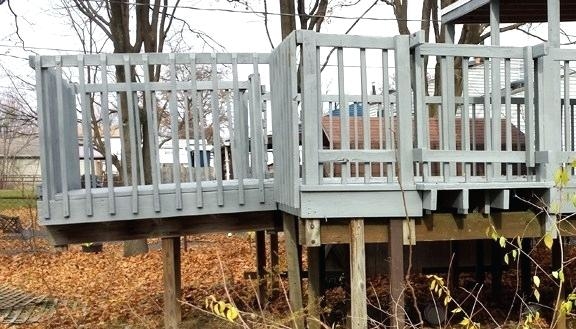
(319, 128)
(257, 140)
(132, 132)
(567, 114)
(197, 128)
(105, 117)
(44, 136)
(63, 138)
(228, 148)
(153, 138)
(239, 150)
(572, 126)
(138, 129)
(496, 96)
(331, 107)
(444, 116)
(175, 135)
(465, 118)
(420, 116)
(203, 128)
(450, 102)
(344, 118)
(387, 113)
(187, 120)
(216, 133)
(87, 140)
(487, 118)
(518, 137)
(259, 134)
(123, 141)
(474, 141)
(365, 114)
(355, 121)
(530, 119)
(508, 109)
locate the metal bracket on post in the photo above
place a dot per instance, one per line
(312, 232)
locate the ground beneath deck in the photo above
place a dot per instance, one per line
(106, 290)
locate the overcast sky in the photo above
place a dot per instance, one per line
(47, 31)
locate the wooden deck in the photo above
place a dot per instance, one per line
(392, 162)
(386, 150)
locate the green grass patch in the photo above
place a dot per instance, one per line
(11, 199)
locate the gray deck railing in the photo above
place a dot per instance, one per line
(340, 145)
(212, 122)
(565, 151)
(465, 134)
(333, 130)
(350, 114)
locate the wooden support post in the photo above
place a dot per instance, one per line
(480, 269)
(172, 282)
(294, 281)
(526, 267)
(314, 287)
(496, 270)
(455, 265)
(396, 275)
(261, 265)
(359, 313)
(556, 266)
(275, 288)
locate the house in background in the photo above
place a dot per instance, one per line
(19, 161)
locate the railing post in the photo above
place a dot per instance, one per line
(309, 89)
(404, 110)
(548, 116)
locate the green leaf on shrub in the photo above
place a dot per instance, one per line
(561, 177)
(536, 281)
(548, 240)
(502, 242)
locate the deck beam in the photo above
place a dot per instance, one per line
(155, 228)
(449, 226)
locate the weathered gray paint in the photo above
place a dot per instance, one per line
(395, 155)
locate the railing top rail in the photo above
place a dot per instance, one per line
(558, 54)
(148, 58)
(446, 49)
(346, 41)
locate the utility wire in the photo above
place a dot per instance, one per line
(260, 12)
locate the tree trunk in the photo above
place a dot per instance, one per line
(135, 247)
(288, 18)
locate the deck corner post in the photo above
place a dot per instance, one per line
(359, 313)
(172, 282)
(293, 263)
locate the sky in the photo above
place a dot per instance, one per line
(46, 31)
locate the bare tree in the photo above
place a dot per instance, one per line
(16, 136)
(150, 21)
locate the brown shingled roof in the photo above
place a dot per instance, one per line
(356, 128)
